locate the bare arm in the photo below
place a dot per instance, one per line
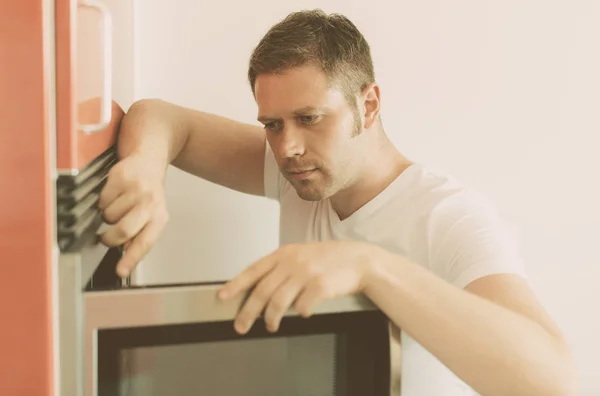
(215, 148)
(495, 335)
(154, 134)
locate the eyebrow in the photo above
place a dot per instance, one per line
(301, 111)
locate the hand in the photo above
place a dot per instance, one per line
(133, 200)
(301, 275)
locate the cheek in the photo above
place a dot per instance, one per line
(339, 129)
(326, 143)
(333, 145)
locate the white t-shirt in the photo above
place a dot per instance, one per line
(425, 216)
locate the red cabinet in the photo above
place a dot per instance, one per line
(26, 297)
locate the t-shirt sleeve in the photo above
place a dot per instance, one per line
(469, 240)
(273, 180)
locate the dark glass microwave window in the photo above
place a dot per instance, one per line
(294, 366)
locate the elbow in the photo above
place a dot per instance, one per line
(144, 104)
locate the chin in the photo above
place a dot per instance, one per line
(309, 192)
(314, 188)
(310, 195)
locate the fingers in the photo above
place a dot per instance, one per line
(282, 300)
(118, 208)
(247, 278)
(111, 190)
(132, 200)
(257, 301)
(312, 295)
(138, 247)
(127, 244)
(128, 227)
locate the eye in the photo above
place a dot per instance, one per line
(272, 126)
(308, 119)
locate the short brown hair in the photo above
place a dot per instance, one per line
(331, 42)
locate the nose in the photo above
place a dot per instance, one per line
(291, 142)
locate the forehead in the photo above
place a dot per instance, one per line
(302, 87)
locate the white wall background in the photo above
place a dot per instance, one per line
(503, 94)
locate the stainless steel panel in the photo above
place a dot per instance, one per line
(182, 304)
(74, 272)
(70, 327)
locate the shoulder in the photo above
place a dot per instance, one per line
(459, 232)
(441, 199)
(432, 200)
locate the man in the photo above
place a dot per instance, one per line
(356, 217)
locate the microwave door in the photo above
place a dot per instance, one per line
(179, 339)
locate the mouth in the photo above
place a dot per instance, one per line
(299, 174)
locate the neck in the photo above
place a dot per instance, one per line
(383, 164)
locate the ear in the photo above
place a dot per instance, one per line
(371, 101)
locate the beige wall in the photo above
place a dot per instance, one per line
(503, 94)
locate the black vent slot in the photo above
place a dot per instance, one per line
(78, 217)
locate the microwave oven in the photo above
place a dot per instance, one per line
(163, 340)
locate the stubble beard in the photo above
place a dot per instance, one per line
(314, 189)
(318, 190)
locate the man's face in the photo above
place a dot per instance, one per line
(312, 130)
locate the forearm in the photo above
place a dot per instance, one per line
(496, 351)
